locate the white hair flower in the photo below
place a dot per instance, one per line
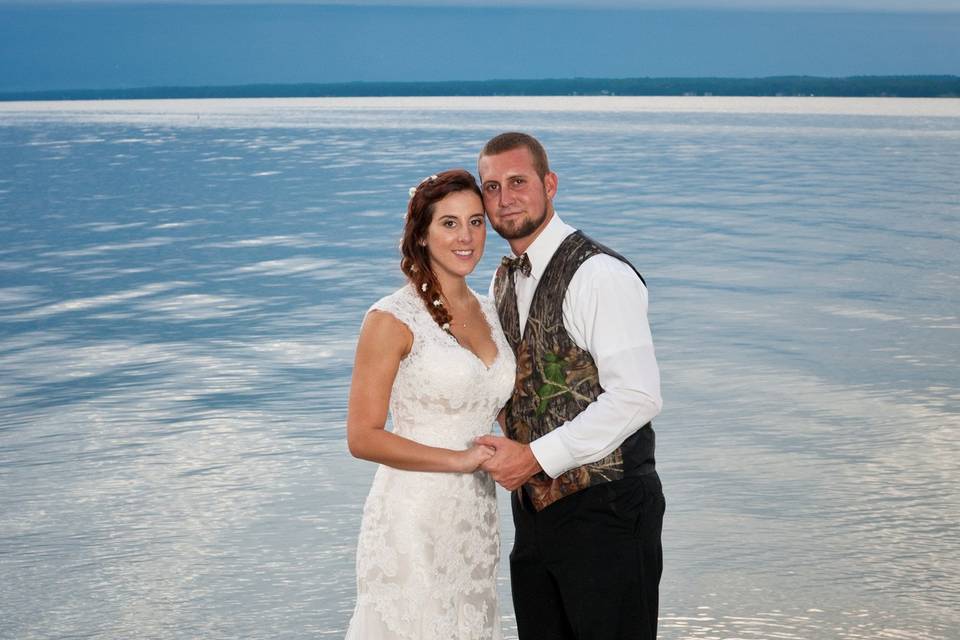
(437, 302)
(445, 326)
(413, 190)
(423, 287)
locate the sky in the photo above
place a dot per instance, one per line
(843, 5)
(118, 44)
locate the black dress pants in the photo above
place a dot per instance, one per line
(588, 566)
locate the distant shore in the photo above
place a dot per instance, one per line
(854, 86)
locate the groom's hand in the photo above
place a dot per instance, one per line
(512, 464)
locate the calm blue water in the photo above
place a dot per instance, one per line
(181, 284)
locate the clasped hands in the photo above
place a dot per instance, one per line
(509, 463)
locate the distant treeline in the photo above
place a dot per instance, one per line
(855, 86)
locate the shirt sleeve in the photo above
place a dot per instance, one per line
(605, 313)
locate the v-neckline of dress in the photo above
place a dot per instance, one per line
(493, 339)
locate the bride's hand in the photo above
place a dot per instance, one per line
(469, 460)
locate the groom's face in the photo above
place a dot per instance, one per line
(516, 200)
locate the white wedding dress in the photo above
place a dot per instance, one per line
(429, 542)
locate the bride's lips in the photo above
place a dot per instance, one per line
(463, 254)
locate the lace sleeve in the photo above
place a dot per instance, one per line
(405, 306)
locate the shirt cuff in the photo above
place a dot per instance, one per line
(552, 453)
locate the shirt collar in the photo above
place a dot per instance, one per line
(542, 249)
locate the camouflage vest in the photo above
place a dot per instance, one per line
(556, 379)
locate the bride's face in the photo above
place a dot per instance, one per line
(456, 234)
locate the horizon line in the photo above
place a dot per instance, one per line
(915, 85)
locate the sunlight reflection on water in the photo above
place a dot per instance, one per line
(179, 301)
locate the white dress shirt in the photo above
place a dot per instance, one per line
(605, 313)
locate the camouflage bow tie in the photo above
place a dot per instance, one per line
(521, 264)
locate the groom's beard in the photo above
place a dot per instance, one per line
(521, 229)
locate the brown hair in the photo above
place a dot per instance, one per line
(415, 259)
(514, 140)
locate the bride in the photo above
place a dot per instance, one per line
(433, 353)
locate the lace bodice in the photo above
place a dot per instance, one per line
(429, 543)
(443, 392)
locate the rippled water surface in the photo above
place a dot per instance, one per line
(181, 283)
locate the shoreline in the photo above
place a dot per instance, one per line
(914, 86)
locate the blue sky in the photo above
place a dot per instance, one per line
(107, 44)
(858, 5)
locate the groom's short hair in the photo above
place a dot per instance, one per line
(514, 140)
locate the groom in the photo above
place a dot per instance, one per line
(579, 456)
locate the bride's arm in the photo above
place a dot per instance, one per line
(383, 342)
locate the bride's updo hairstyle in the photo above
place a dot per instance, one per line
(415, 259)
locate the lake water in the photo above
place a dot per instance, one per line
(181, 284)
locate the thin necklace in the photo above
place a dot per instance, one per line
(463, 309)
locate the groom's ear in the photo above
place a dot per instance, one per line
(550, 184)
